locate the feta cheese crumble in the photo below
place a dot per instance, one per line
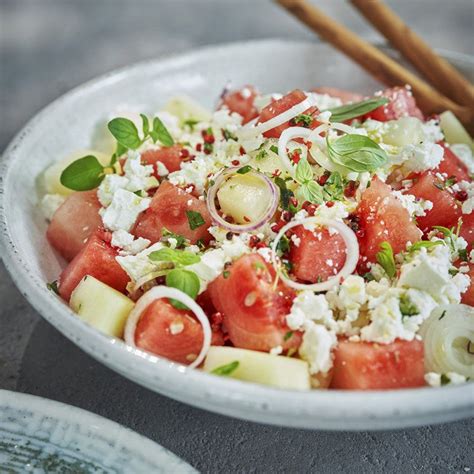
(422, 157)
(127, 243)
(123, 210)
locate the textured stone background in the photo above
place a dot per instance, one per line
(49, 46)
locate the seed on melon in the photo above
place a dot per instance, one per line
(51, 177)
(101, 306)
(244, 197)
(259, 367)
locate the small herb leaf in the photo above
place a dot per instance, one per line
(195, 219)
(226, 369)
(184, 280)
(304, 172)
(125, 132)
(386, 260)
(351, 111)
(245, 169)
(145, 125)
(83, 174)
(178, 257)
(53, 286)
(160, 133)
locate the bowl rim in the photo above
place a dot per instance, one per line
(348, 410)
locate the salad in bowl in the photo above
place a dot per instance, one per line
(303, 240)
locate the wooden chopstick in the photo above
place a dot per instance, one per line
(437, 70)
(375, 62)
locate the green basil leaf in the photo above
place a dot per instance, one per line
(195, 219)
(302, 120)
(160, 133)
(304, 172)
(386, 259)
(245, 169)
(145, 125)
(356, 153)
(226, 369)
(351, 111)
(125, 132)
(178, 257)
(184, 280)
(83, 174)
(312, 192)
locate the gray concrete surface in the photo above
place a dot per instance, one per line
(50, 46)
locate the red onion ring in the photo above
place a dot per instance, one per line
(251, 226)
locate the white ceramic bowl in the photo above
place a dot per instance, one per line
(68, 124)
(43, 436)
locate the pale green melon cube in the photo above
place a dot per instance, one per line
(260, 367)
(101, 306)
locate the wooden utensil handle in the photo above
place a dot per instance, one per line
(437, 70)
(375, 62)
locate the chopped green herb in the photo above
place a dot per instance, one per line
(288, 335)
(244, 170)
(368, 277)
(463, 255)
(180, 240)
(285, 193)
(195, 219)
(274, 148)
(191, 123)
(303, 120)
(283, 245)
(259, 266)
(443, 314)
(53, 286)
(386, 260)
(445, 380)
(228, 135)
(334, 187)
(262, 154)
(226, 274)
(407, 308)
(225, 370)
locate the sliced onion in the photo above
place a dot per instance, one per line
(282, 118)
(157, 293)
(251, 226)
(352, 253)
(446, 334)
(287, 135)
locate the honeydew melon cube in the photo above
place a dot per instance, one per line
(453, 130)
(186, 108)
(404, 131)
(52, 175)
(101, 306)
(260, 367)
(244, 197)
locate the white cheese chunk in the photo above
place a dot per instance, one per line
(123, 210)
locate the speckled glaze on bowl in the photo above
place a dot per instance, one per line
(68, 124)
(43, 436)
